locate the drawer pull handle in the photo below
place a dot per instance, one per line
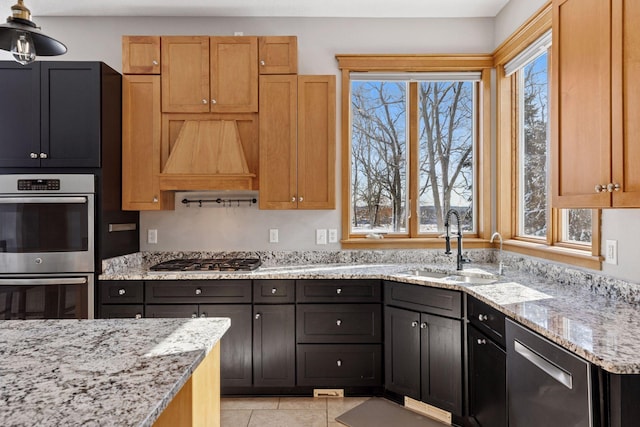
(482, 317)
(121, 291)
(339, 362)
(198, 291)
(338, 322)
(551, 369)
(154, 62)
(258, 315)
(339, 291)
(414, 324)
(138, 316)
(194, 315)
(423, 325)
(273, 291)
(482, 341)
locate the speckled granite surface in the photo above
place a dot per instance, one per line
(98, 372)
(595, 317)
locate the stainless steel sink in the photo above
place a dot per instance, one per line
(471, 279)
(427, 273)
(451, 277)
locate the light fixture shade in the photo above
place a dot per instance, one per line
(45, 45)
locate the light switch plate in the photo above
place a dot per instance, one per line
(321, 236)
(152, 236)
(611, 254)
(273, 235)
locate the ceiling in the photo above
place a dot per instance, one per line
(282, 8)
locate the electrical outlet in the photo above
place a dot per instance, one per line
(152, 236)
(611, 254)
(333, 235)
(321, 236)
(273, 235)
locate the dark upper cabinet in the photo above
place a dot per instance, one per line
(58, 114)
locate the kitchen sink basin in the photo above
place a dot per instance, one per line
(451, 277)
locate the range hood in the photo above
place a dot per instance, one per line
(207, 155)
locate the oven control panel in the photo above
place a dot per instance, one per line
(38, 184)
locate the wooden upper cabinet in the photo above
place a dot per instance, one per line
(278, 54)
(209, 74)
(141, 54)
(297, 142)
(141, 144)
(594, 86)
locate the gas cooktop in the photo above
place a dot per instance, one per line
(208, 264)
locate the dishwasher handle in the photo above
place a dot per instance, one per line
(554, 371)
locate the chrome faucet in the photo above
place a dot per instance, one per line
(500, 265)
(459, 258)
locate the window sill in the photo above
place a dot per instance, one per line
(555, 253)
(411, 243)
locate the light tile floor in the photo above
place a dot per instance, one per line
(285, 411)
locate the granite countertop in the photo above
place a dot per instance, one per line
(600, 328)
(100, 372)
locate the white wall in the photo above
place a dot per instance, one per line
(512, 15)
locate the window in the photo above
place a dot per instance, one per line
(524, 149)
(415, 143)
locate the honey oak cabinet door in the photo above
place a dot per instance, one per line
(316, 142)
(278, 54)
(278, 155)
(185, 74)
(141, 54)
(581, 103)
(141, 144)
(234, 74)
(626, 103)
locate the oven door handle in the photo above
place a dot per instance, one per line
(45, 281)
(14, 200)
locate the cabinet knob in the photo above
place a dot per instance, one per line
(203, 315)
(273, 291)
(194, 315)
(155, 199)
(482, 341)
(213, 101)
(121, 291)
(338, 322)
(293, 199)
(43, 155)
(339, 362)
(601, 188)
(300, 199)
(414, 324)
(339, 291)
(482, 317)
(611, 187)
(33, 155)
(198, 291)
(204, 101)
(263, 63)
(138, 315)
(154, 62)
(423, 325)
(258, 316)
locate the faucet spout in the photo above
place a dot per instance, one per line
(500, 265)
(459, 258)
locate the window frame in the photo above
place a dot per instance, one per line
(507, 160)
(419, 63)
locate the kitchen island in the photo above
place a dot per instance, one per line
(138, 372)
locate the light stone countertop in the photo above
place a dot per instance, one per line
(590, 322)
(121, 372)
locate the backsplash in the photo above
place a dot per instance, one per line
(596, 282)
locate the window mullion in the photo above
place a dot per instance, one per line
(413, 144)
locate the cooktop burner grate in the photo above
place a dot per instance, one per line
(208, 264)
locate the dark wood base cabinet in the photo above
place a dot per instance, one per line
(274, 345)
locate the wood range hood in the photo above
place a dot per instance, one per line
(206, 155)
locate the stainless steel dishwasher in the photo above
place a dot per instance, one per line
(546, 385)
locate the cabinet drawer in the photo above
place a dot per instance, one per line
(338, 291)
(121, 292)
(443, 302)
(198, 291)
(172, 310)
(115, 311)
(274, 291)
(339, 323)
(487, 319)
(332, 365)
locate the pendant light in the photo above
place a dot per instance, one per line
(23, 38)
